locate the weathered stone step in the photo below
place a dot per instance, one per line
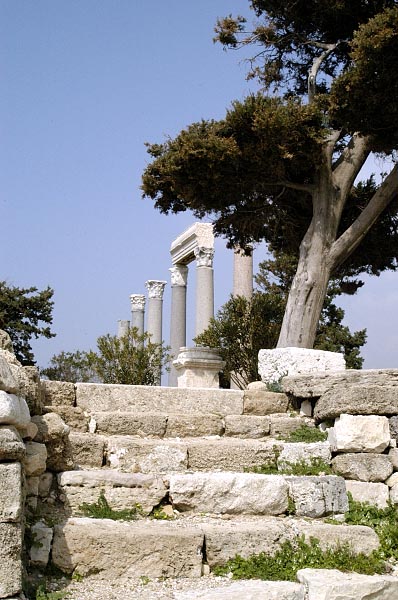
(116, 549)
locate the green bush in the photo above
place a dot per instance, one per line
(307, 434)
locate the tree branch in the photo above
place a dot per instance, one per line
(350, 162)
(352, 237)
(313, 71)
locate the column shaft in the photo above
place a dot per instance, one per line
(138, 313)
(204, 288)
(155, 309)
(243, 274)
(178, 324)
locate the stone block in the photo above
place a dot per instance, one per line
(58, 393)
(10, 559)
(8, 383)
(128, 423)
(39, 552)
(10, 492)
(11, 444)
(228, 454)
(35, 459)
(45, 483)
(393, 480)
(198, 367)
(357, 399)
(263, 402)
(393, 421)
(369, 433)
(51, 428)
(32, 486)
(306, 409)
(284, 425)
(363, 466)
(87, 449)
(376, 494)
(76, 418)
(30, 388)
(393, 456)
(13, 410)
(232, 493)
(122, 490)
(194, 425)
(248, 590)
(114, 549)
(60, 455)
(148, 398)
(292, 453)
(277, 363)
(330, 584)
(146, 456)
(394, 494)
(30, 431)
(5, 341)
(361, 539)
(247, 426)
(317, 497)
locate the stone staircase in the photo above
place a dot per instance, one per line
(188, 457)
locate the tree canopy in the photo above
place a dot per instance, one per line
(25, 313)
(284, 165)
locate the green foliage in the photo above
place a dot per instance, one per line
(102, 510)
(291, 557)
(131, 359)
(24, 314)
(70, 366)
(316, 466)
(383, 520)
(307, 434)
(43, 594)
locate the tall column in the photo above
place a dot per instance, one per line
(155, 305)
(138, 312)
(178, 325)
(204, 288)
(122, 328)
(243, 274)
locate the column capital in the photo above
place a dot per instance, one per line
(179, 275)
(137, 301)
(204, 256)
(155, 288)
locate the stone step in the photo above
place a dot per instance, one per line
(114, 549)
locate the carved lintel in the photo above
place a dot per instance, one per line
(137, 302)
(155, 288)
(204, 256)
(179, 275)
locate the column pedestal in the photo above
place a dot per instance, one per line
(198, 367)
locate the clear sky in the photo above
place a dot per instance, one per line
(85, 84)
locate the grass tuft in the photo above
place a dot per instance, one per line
(102, 510)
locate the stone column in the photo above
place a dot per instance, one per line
(204, 288)
(122, 328)
(138, 312)
(155, 305)
(243, 274)
(178, 325)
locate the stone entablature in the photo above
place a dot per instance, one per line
(182, 249)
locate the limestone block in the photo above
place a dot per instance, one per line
(393, 456)
(393, 480)
(10, 492)
(58, 393)
(147, 398)
(292, 453)
(376, 494)
(35, 459)
(394, 494)
(194, 425)
(368, 433)
(30, 431)
(87, 449)
(8, 383)
(5, 341)
(363, 466)
(228, 454)
(127, 423)
(330, 584)
(247, 426)
(357, 399)
(248, 590)
(13, 410)
(29, 387)
(360, 538)
(122, 490)
(278, 362)
(39, 552)
(232, 493)
(284, 425)
(394, 427)
(10, 559)
(114, 549)
(11, 444)
(317, 497)
(306, 409)
(60, 455)
(45, 483)
(257, 385)
(146, 456)
(263, 402)
(51, 428)
(76, 418)
(32, 486)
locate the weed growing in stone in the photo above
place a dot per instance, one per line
(102, 510)
(285, 563)
(307, 434)
(43, 594)
(316, 466)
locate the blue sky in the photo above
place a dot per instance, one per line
(85, 84)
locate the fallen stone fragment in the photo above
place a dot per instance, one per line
(369, 433)
(330, 584)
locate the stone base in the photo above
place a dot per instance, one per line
(198, 367)
(279, 362)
